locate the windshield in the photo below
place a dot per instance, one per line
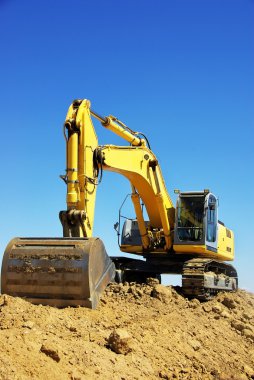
(190, 214)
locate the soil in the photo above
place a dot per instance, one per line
(146, 331)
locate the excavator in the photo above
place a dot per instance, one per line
(186, 239)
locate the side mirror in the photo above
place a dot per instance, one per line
(116, 225)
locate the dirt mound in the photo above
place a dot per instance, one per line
(138, 332)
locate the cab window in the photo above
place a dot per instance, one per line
(190, 218)
(211, 219)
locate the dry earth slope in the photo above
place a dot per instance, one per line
(144, 331)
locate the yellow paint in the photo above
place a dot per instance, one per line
(133, 163)
(72, 197)
(136, 249)
(81, 193)
(225, 243)
(225, 247)
(88, 142)
(122, 132)
(139, 165)
(141, 223)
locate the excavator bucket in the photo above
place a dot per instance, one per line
(57, 271)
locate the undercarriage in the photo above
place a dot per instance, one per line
(201, 278)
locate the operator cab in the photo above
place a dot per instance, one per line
(196, 219)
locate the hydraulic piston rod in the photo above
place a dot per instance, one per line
(118, 129)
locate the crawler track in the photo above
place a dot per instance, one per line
(204, 278)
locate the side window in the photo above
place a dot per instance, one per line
(211, 219)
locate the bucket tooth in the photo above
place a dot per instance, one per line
(57, 271)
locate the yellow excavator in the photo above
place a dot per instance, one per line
(74, 270)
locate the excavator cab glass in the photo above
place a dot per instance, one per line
(196, 219)
(211, 218)
(190, 215)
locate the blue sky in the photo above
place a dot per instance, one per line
(179, 71)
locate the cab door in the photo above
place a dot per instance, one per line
(211, 223)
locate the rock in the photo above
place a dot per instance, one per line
(117, 288)
(162, 293)
(215, 373)
(248, 316)
(194, 303)
(72, 329)
(217, 308)
(135, 294)
(245, 328)
(248, 334)
(51, 352)
(28, 324)
(207, 308)
(229, 303)
(164, 375)
(225, 314)
(195, 344)
(249, 326)
(151, 281)
(185, 370)
(103, 301)
(237, 325)
(140, 292)
(120, 341)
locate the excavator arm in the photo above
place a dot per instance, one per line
(81, 173)
(85, 159)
